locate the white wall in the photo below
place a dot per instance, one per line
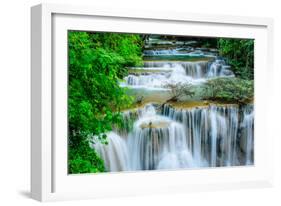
(15, 95)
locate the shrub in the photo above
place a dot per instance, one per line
(97, 61)
(240, 56)
(229, 90)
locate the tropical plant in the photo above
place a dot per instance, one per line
(234, 90)
(239, 53)
(97, 61)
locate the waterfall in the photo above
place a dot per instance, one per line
(157, 142)
(162, 52)
(247, 136)
(115, 153)
(192, 68)
(214, 137)
(179, 51)
(173, 138)
(219, 68)
(166, 136)
(177, 74)
(196, 69)
(153, 80)
(158, 73)
(211, 132)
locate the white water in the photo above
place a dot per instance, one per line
(214, 136)
(163, 73)
(219, 69)
(157, 142)
(177, 74)
(212, 132)
(163, 52)
(182, 138)
(188, 51)
(247, 137)
(115, 153)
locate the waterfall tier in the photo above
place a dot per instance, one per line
(115, 153)
(158, 142)
(173, 138)
(157, 74)
(219, 134)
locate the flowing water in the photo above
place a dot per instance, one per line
(176, 72)
(163, 136)
(171, 138)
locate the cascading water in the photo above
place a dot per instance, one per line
(158, 142)
(219, 69)
(158, 73)
(115, 153)
(247, 135)
(176, 74)
(212, 132)
(181, 138)
(164, 136)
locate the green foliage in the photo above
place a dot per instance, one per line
(208, 42)
(84, 159)
(233, 90)
(240, 55)
(97, 61)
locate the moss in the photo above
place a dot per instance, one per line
(183, 59)
(192, 104)
(145, 71)
(189, 104)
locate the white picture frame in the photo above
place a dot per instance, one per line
(49, 178)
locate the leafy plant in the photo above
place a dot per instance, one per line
(97, 61)
(240, 55)
(234, 90)
(84, 159)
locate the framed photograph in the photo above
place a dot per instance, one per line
(135, 102)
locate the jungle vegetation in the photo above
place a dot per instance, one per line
(97, 61)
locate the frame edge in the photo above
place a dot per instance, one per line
(36, 117)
